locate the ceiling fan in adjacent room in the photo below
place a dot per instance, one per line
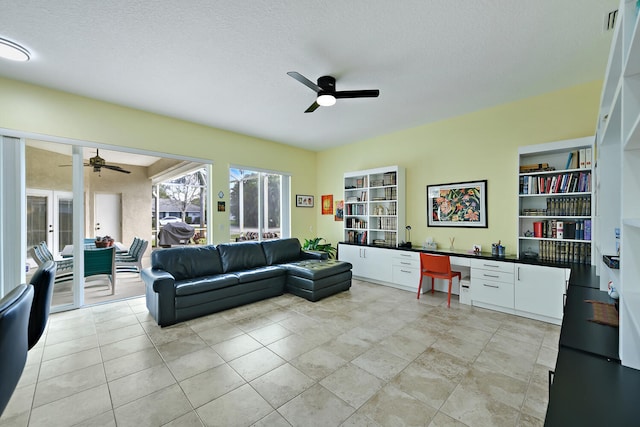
(326, 91)
(98, 163)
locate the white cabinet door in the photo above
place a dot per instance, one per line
(539, 290)
(368, 262)
(350, 253)
(378, 264)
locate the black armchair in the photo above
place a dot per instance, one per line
(14, 322)
(42, 282)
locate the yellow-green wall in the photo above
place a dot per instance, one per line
(29, 108)
(481, 145)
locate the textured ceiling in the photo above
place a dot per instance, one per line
(224, 63)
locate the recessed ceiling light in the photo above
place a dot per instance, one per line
(13, 51)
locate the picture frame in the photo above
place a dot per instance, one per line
(304, 201)
(327, 204)
(339, 212)
(457, 204)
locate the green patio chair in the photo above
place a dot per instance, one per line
(101, 261)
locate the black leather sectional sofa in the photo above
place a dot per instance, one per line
(191, 281)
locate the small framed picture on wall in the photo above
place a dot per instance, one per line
(304, 201)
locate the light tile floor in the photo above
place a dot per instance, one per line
(373, 356)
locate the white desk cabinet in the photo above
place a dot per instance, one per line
(539, 291)
(406, 270)
(528, 290)
(368, 262)
(492, 283)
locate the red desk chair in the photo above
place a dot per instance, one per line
(437, 267)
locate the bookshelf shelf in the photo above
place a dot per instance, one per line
(374, 206)
(555, 200)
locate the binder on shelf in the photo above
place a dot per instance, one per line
(587, 159)
(559, 229)
(583, 156)
(575, 160)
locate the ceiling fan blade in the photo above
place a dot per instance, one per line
(305, 81)
(115, 168)
(313, 107)
(373, 93)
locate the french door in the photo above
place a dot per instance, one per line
(50, 219)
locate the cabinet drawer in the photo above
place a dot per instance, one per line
(489, 292)
(406, 276)
(506, 267)
(493, 276)
(406, 262)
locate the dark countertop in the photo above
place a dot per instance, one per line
(578, 333)
(592, 391)
(467, 254)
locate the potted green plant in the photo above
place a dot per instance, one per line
(319, 244)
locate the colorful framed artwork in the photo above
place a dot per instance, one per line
(458, 204)
(327, 204)
(339, 213)
(304, 201)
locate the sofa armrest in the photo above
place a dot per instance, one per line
(306, 254)
(160, 292)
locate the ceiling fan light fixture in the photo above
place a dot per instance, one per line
(326, 100)
(13, 51)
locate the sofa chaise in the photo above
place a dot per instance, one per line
(192, 281)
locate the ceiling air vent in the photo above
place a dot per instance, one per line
(610, 20)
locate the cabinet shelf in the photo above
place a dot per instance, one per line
(632, 222)
(551, 239)
(575, 193)
(555, 172)
(555, 216)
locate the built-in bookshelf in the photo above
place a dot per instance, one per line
(556, 182)
(618, 171)
(374, 206)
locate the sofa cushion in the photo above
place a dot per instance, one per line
(259, 273)
(186, 262)
(204, 284)
(281, 251)
(241, 256)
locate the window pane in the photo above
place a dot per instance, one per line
(36, 220)
(272, 223)
(65, 223)
(255, 205)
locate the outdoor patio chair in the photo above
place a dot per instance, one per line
(101, 261)
(131, 262)
(41, 254)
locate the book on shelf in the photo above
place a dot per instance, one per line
(569, 160)
(587, 229)
(536, 167)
